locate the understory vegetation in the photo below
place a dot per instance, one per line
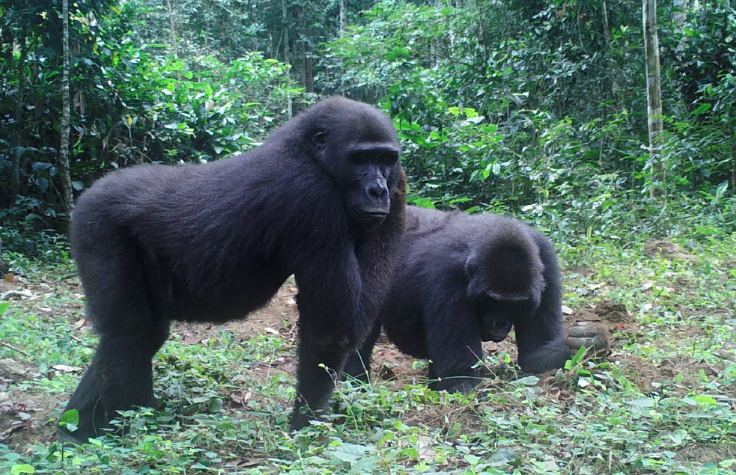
(661, 402)
(533, 109)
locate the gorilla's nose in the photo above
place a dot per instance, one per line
(376, 192)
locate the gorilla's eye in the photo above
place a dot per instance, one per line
(387, 159)
(361, 158)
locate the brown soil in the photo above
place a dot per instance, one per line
(667, 249)
(278, 318)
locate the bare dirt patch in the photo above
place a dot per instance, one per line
(23, 416)
(705, 453)
(580, 270)
(667, 249)
(606, 318)
(8, 284)
(611, 315)
(278, 318)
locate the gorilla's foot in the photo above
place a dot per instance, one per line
(590, 336)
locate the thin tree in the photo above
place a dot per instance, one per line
(172, 28)
(19, 121)
(678, 19)
(286, 55)
(680, 14)
(654, 95)
(342, 17)
(66, 181)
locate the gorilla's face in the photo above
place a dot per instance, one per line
(359, 149)
(499, 291)
(495, 327)
(371, 170)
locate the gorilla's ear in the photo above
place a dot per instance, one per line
(476, 286)
(471, 266)
(319, 139)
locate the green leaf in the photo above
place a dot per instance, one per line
(470, 112)
(643, 402)
(705, 400)
(421, 202)
(472, 459)
(503, 456)
(702, 109)
(70, 420)
(24, 468)
(350, 453)
(527, 381)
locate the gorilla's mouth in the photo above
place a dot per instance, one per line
(371, 213)
(493, 336)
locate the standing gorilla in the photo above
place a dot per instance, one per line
(462, 279)
(323, 198)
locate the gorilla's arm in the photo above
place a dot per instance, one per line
(375, 272)
(339, 301)
(331, 321)
(358, 364)
(453, 351)
(452, 333)
(540, 335)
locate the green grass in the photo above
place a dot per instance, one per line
(662, 402)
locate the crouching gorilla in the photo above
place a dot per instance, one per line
(462, 279)
(323, 198)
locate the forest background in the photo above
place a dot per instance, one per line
(535, 107)
(532, 108)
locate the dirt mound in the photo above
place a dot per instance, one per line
(667, 249)
(605, 318)
(612, 312)
(607, 313)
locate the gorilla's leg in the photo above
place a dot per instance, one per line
(120, 375)
(540, 336)
(119, 378)
(358, 364)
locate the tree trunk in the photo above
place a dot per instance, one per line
(66, 180)
(654, 96)
(8, 41)
(481, 35)
(606, 28)
(678, 18)
(172, 27)
(308, 72)
(286, 55)
(680, 13)
(342, 17)
(19, 132)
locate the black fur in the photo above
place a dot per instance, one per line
(462, 279)
(323, 198)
